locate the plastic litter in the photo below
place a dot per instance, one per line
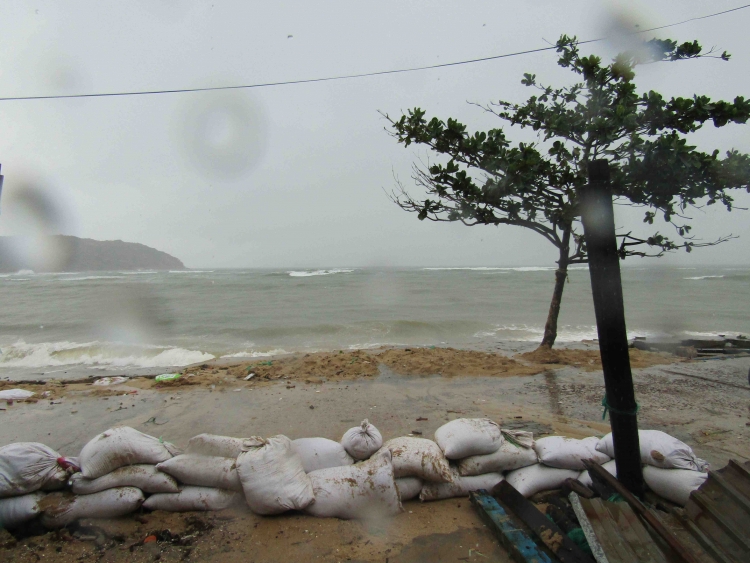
(26, 467)
(409, 487)
(167, 376)
(568, 453)
(321, 453)
(15, 511)
(460, 487)
(145, 477)
(673, 484)
(659, 449)
(61, 509)
(466, 437)
(534, 478)
(203, 471)
(104, 381)
(362, 441)
(507, 458)
(194, 498)
(418, 457)
(15, 394)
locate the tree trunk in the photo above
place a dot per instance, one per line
(561, 274)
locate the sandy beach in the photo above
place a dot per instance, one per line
(402, 391)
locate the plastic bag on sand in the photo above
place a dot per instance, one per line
(567, 453)
(219, 446)
(465, 437)
(418, 457)
(144, 477)
(15, 511)
(203, 471)
(273, 477)
(15, 394)
(194, 498)
(321, 453)
(409, 488)
(534, 478)
(659, 449)
(362, 491)
(508, 457)
(460, 487)
(610, 466)
(673, 484)
(122, 446)
(26, 467)
(362, 441)
(61, 509)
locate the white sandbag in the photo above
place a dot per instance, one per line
(219, 446)
(61, 509)
(26, 467)
(610, 467)
(534, 478)
(14, 511)
(203, 471)
(418, 457)
(362, 441)
(673, 484)
(507, 458)
(460, 487)
(273, 477)
(362, 491)
(194, 498)
(320, 453)
(15, 394)
(568, 453)
(144, 477)
(466, 437)
(659, 449)
(409, 488)
(122, 446)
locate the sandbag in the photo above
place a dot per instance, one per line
(534, 478)
(507, 458)
(659, 449)
(362, 441)
(466, 437)
(144, 477)
(203, 471)
(568, 453)
(219, 446)
(194, 498)
(610, 467)
(673, 484)
(14, 511)
(26, 467)
(362, 491)
(418, 457)
(273, 477)
(460, 487)
(409, 488)
(320, 453)
(122, 446)
(61, 509)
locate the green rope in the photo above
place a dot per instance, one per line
(608, 407)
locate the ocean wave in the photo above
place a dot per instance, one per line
(702, 277)
(191, 271)
(508, 269)
(139, 273)
(100, 354)
(87, 278)
(309, 273)
(256, 354)
(568, 333)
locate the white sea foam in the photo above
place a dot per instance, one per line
(308, 273)
(507, 269)
(137, 273)
(87, 278)
(256, 354)
(702, 277)
(191, 271)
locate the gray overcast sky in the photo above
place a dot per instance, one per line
(294, 175)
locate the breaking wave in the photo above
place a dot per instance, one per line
(308, 273)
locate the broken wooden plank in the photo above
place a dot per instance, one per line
(547, 531)
(588, 530)
(520, 546)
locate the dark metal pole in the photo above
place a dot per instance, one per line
(598, 219)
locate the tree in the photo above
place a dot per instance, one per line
(485, 179)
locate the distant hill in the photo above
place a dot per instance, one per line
(61, 253)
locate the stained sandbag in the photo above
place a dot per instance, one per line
(418, 457)
(195, 498)
(144, 477)
(203, 471)
(610, 467)
(321, 453)
(466, 437)
(26, 467)
(409, 487)
(15, 511)
(460, 487)
(362, 441)
(61, 509)
(568, 453)
(507, 458)
(273, 477)
(534, 478)
(219, 446)
(659, 449)
(362, 491)
(118, 447)
(673, 484)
